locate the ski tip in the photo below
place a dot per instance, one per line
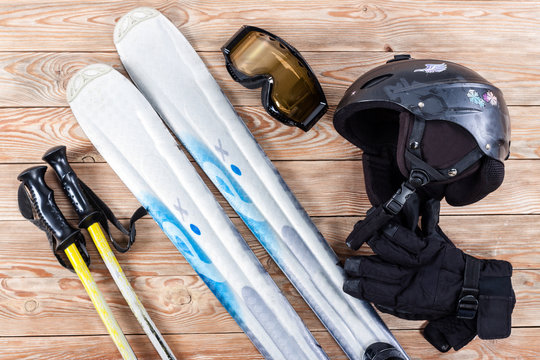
(132, 18)
(83, 77)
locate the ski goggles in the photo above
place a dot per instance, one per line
(290, 91)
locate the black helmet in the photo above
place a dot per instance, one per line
(427, 124)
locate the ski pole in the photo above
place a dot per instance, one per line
(51, 219)
(91, 214)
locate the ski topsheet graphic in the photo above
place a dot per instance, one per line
(173, 78)
(132, 138)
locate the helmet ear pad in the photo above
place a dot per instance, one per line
(477, 185)
(442, 145)
(381, 174)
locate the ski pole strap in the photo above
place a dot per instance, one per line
(37, 205)
(88, 206)
(468, 298)
(108, 216)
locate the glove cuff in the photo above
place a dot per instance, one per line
(488, 298)
(496, 303)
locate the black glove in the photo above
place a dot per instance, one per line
(420, 274)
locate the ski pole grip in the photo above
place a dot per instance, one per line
(84, 207)
(43, 200)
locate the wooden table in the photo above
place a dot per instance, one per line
(44, 311)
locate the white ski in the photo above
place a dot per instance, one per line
(174, 79)
(132, 138)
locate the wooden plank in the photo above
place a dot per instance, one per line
(177, 304)
(340, 192)
(513, 238)
(44, 42)
(39, 79)
(347, 25)
(24, 251)
(229, 346)
(28, 132)
(522, 344)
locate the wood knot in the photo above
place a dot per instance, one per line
(388, 48)
(178, 295)
(30, 305)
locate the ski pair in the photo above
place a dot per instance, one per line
(93, 215)
(125, 128)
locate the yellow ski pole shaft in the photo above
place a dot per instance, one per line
(98, 236)
(36, 203)
(91, 211)
(99, 302)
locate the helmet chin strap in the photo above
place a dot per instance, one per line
(379, 216)
(421, 174)
(417, 179)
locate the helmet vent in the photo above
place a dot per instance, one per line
(375, 81)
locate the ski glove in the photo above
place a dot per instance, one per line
(419, 274)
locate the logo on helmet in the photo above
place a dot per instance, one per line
(432, 68)
(487, 97)
(490, 97)
(475, 98)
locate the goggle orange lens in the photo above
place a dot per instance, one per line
(291, 92)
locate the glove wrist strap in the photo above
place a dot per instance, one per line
(468, 298)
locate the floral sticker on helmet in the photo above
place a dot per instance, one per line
(489, 97)
(475, 98)
(432, 68)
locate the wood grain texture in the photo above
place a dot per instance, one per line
(32, 131)
(40, 78)
(340, 192)
(177, 304)
(26, 133)
(522, 344)
(24, 251)
(44, 311)
(375, 26)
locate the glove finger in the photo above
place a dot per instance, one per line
(373, 267)
(372, 290)
(386, 246)
(450, 332)
(402, 246)
(410, 214)
(430, 216)
(436, 337)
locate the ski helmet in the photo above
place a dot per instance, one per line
(427, 124)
